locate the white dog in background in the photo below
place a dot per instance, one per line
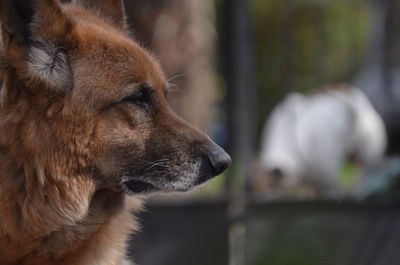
(308, 138)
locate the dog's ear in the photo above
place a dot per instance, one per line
(32, 33)
(24, 21)
(16, 17)
(111, 10)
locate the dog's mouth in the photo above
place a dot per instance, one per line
(139, 186)
(144, 187)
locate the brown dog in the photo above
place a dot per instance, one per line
(84, 122)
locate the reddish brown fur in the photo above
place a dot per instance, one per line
(61, 149)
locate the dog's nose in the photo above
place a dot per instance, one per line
(219, 159)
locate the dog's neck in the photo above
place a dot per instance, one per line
(54, 215)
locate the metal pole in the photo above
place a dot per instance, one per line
(238, 60)
(239, 73)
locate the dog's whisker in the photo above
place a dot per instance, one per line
(155, 161)
(158, 172)
(175, 77)
(172, 88)
(167, 175)
(158, 165)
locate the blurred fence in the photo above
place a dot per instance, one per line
(276, 233)
(323, 233)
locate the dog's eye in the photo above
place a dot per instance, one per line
(141, 98)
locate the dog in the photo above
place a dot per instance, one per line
(85, 131)
(308, 138)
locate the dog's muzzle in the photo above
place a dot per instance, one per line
(211, 163)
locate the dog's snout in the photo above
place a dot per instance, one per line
(219, 159)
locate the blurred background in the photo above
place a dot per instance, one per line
(305, 96)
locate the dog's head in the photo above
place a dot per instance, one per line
(82, 98)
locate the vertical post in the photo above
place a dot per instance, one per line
(237, 48)
(391, 82)
(237, 52)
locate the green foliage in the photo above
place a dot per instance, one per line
(302, 44)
